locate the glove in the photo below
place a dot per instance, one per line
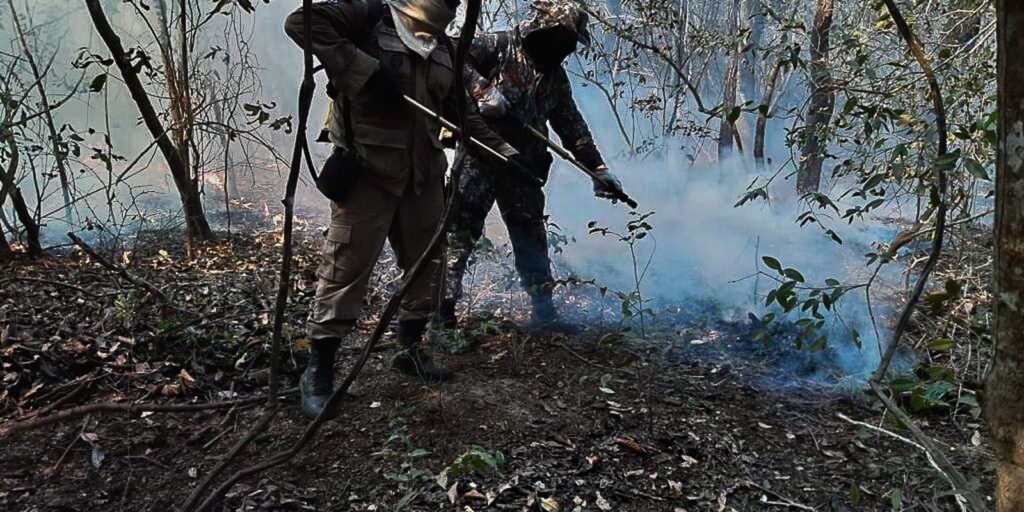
(386, 93)
(492, 103)
(524, 168)
(606, 185)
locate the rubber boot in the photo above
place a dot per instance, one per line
(546, 317)
(317, 382)
(413, 360)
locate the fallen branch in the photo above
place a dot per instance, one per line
(121, 271)
(935, 457)
(69, 414)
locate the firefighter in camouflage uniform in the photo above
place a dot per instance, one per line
(516, 77)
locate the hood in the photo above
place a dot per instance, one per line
(545, 14)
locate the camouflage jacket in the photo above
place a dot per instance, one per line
(497, 60)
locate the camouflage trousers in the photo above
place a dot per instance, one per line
(522, 209)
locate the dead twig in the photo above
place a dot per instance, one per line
(595, 364)
(256, 430)
(47, 281)
(69, 414)
(786, 502)
(936, 458)
(56, 403)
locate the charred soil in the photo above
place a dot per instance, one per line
(579, 425)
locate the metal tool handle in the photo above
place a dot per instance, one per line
(619, 195)
(522, 172)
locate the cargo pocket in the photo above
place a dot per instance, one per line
(383, 150)
(337, 252)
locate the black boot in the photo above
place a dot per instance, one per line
(445, 317)
(317, 382)
(546, 317)
(412, 360)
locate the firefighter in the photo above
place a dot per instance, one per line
(385, 177)
(517, 77)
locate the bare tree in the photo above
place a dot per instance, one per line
(60, 155)
(819, 112)
(1006, 379)
(174, 141)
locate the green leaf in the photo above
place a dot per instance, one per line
(941, 345)
(976, 169)
(854, 494)
(896, 498)
(97, 83)
(734, 114)
(819, 344)
(902, 385)
(772, 263)
(947, 162)
(873, 181)
(792, 273)
(850, 105)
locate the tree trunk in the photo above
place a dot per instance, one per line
(752, 21)
(727, 128)
(764, 110)
(819, 112)
(6, 253)
(1005, 382)
(196, 226)
(9, 188)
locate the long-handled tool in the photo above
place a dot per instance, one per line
(567, 156)
(521, 171)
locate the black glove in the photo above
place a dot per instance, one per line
(524, 169)
(386, 93)
(606, 185)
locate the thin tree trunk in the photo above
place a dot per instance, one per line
(726, 129)
(763, 112)
(819, 112)
(60, 155)
(196, 226)
(6, 253)
(1005, 382)
(9, 188)
(752, 21)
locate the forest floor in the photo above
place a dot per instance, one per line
(692, 419)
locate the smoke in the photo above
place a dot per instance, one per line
(705, 253)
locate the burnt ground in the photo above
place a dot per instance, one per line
(644, 425)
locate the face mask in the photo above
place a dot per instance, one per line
(547, 48)
(419, 22)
